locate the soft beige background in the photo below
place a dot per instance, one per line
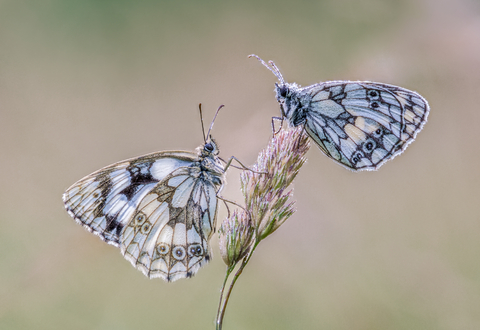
(86, 83)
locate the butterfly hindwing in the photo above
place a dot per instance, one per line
(363, 124)
(168, 234)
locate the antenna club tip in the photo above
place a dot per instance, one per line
(214, 117)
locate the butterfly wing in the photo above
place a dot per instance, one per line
(160, 209)
(168, 234)
(360, 124)
(104, 201)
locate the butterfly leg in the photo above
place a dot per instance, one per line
(233, 203)
(243, 167)
(273, 125)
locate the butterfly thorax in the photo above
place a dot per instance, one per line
(293, 103)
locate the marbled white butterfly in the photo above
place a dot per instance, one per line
(159, 209)
(359, 124)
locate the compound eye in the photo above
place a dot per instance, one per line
(208, 147)
(283, 91)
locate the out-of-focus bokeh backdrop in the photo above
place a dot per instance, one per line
(87, 83)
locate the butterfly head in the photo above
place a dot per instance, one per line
(209, 149)
(210, 162)
(290, 100)
(281, 94)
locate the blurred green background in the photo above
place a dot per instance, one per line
(87, 83)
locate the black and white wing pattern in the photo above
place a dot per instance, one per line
(160, 209)
(359, 124)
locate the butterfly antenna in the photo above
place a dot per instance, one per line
(213, 121)
(272, 67)
(275, 68)
(201, 120)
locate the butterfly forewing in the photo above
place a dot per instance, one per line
(160, 209)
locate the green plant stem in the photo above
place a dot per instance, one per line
(223, 303)
(227, 275)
